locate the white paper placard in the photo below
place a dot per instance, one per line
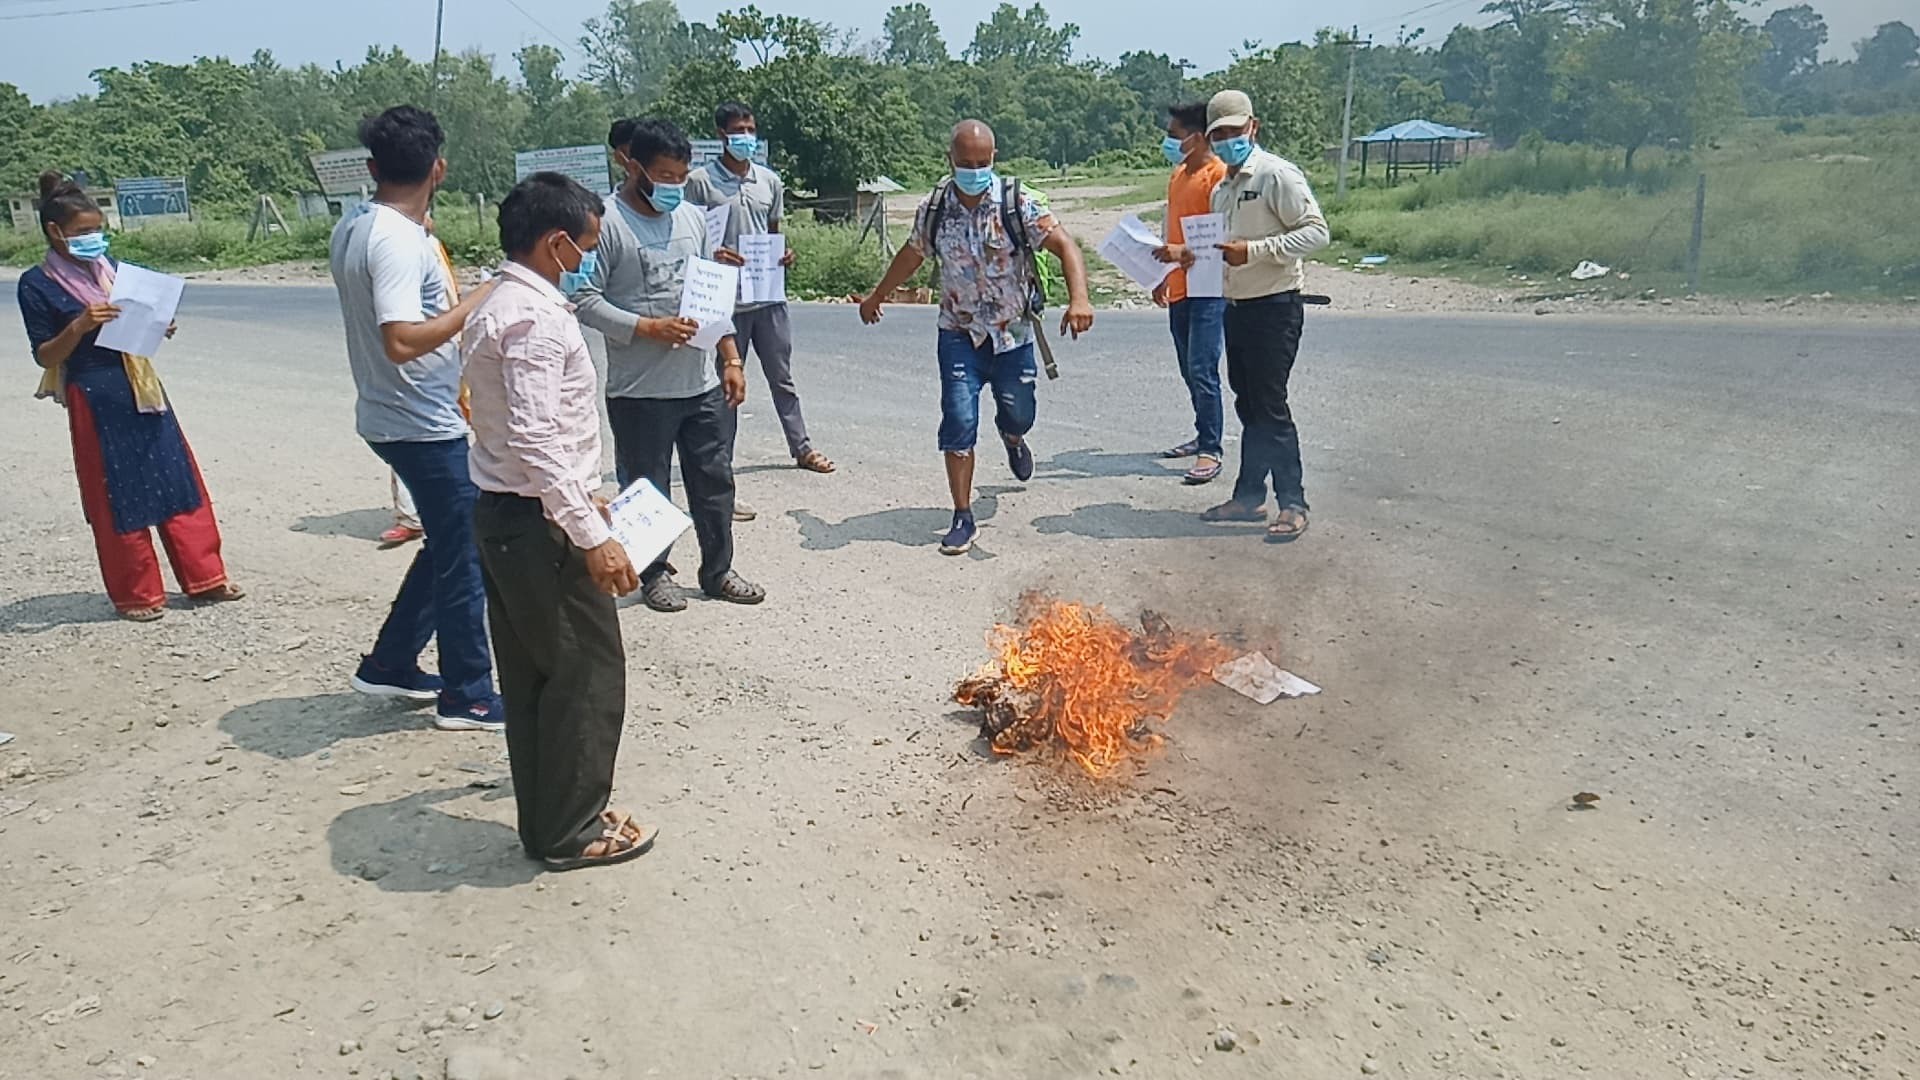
(645, 522)
(717, 225)
(1130, 246)
(147, 301)
(763, 280)
(1204, 232)
(708, 300)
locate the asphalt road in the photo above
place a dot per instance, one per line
(1672, 562)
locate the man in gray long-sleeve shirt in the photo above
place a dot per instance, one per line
(662, 394)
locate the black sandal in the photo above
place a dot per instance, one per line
(735, 589)
(661, 594)
(1235, 511)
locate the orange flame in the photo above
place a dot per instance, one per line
(1072, 673)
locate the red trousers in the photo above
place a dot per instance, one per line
(127, 561)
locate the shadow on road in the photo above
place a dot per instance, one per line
(908, 526)
(289, 728)
(409, 846)
(39, 614)
(358, 524)
(1119, 521)
(1097, 462)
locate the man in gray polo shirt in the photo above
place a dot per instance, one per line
(663, 395)
(755, 196)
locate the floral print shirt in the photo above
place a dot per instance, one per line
(983, 287)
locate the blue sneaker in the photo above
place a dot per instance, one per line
(487, 714)
(411, 684)
(959, 539)
(1020, 459)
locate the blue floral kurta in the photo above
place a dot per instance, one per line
(150, 475)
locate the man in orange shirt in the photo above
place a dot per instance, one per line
(1198, 322)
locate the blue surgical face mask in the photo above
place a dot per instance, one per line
(88, 246)
(742, 147)
(973, 181)
(664, 197)
(572, 281)
(1234, 151)
(1172, 147)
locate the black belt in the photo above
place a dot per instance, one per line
(1294, 297)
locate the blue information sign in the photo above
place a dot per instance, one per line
(152, 196)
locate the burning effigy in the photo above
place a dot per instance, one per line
(1068, 676)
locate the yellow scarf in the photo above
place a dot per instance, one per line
(453, 300)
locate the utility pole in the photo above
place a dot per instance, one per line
(439, 24)
(1353, 44)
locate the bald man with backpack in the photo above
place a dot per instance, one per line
(985, 235)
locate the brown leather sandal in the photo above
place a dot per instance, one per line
(815, 461)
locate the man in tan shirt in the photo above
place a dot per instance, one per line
(1273, 223)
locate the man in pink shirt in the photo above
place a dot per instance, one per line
(550, 563)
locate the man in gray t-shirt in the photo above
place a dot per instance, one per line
(662, 394)
(755, 198)
(397, 301)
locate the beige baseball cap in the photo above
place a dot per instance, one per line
(1229, 108)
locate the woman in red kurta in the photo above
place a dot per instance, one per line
(135, 469)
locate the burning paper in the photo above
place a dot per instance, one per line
(1071, 675)
(1255, 676)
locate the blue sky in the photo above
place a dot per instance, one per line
(50, 57)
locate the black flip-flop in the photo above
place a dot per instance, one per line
(629, 850)
(1184, 450)
(1235, 511)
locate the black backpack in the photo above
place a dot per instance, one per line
(1025, 255)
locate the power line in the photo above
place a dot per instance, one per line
(1393, 21)
(97, 10)
(544, 28)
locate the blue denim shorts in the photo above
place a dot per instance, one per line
(966, 369)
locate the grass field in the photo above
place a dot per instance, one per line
(1824, 209)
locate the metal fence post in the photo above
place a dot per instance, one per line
(1699, 226)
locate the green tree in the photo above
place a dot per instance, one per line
(560, 112)
(912, 37)
(1887, 56)
(1794, 37)
(767, 35)
(1155, 78)
(1527, 51)
(632, 49)
(1661, 70)
(1028, 37)
(483, 118)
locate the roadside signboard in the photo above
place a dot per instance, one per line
(144, 198)
(705, 150)
(587, 164)
(342, 172)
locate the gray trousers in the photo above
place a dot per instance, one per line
(767, 332)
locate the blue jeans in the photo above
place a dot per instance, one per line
(442, 595)
(965, 369)
(1199, 337)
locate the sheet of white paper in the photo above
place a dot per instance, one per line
(763, 280)
(1127, 248)
(645, 522)
(1207, 275)
(1140, 230)
(717, 225)
(1256, 677)
(708, 300)
(147, 301)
